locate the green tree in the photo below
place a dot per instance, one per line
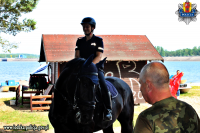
(199, 50)
(10, 12)
(190, 52)
(162, 52)
(166, 53)
(185, 52)
(179, 52)
(195, 50)
(157, 48)
(17, 55)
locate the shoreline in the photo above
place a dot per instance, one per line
(19, 59)
(182, 58)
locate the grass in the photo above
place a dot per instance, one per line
(11, 117)
(137, 111)
(195, 87)
(194, 91)
(21, 117)
(116, 124)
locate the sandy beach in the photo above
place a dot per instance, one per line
(184, 58)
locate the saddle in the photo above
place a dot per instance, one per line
(102, 107)
(111, 88)
(99, 100)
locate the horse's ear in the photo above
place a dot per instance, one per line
(101, 63)
(88, 61)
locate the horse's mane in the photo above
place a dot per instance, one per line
(74, 62)
(68, 69)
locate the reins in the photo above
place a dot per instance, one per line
(89, 104)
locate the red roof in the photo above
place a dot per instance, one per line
(60, 48)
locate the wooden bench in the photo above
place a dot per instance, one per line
(40, 102)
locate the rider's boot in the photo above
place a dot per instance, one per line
(108, 105)
(104, 90)
(106, 97)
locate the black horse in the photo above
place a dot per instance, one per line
(77, 106)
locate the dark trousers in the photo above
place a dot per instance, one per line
(104, 91)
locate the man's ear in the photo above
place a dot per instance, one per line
(149, 85)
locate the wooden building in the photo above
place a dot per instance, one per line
(126, 55)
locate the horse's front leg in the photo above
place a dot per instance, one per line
(86, 128)
(109, 129)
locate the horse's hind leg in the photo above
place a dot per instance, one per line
(109, 129)
(126, 118)
(126, 122)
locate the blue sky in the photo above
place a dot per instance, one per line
(156, 19)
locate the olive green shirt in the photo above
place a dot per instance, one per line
(168, 116)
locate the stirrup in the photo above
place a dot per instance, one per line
(107, 115)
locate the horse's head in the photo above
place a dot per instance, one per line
(85, 91)
(77, 85)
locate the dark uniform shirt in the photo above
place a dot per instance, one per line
(168, 116)
(89, 47)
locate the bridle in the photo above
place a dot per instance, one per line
(76, 103)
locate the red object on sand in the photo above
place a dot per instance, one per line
(174, 84)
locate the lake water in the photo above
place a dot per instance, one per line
(18, 70)
(191, 69)
(22, 70)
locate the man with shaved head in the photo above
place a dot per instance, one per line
(167, 114)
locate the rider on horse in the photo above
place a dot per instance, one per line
(91, 44)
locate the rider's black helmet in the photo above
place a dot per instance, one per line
(89, 20)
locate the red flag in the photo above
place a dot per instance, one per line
(174, 84)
